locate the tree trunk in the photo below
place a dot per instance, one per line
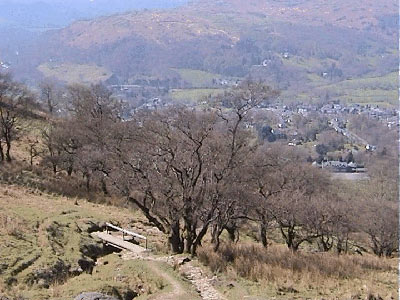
(339, 246)
(1, 152)
(174, 239)
(104, 187)
(290, 238)
(8, 151)
(189, 230)
(295, 247)
(50, 105)
(189, 239)
(263, 234)
(88, 183)
(69, 170)
(31, 155)
(231, 229)
(199, 238)
(325, 243)
(215, 234)
(216, 243)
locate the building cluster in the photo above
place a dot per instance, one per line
(340, 112)
(340, 166)
(4, 65)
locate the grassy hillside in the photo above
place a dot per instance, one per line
(197, 78)
(382, 90)
(73, 73)
(193, 96)
(43, 237)
(44, 240)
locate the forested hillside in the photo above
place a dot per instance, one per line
(300, 47)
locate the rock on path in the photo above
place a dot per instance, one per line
(202, 283)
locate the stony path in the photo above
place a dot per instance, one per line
(202, 283)
(177, 289)
(195, 275)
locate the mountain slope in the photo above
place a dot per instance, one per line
(162, 28)
(287, 43)
(360, 15)
(36, 14)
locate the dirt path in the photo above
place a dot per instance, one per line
(177, 290)
(195, 275)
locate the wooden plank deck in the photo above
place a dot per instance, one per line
(118, 242)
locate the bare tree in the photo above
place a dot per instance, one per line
(8, 120)
(378, 208)
(289, 195)
(5, 90)
(14, 101)
(380, 222)
(182, 168)
(233, 178)
(164, 169)
(178, 166)
(50, 94)
(53, 150)
(78, 142)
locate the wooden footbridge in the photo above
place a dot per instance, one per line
(121, 238)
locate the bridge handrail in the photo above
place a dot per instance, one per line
(126, 231)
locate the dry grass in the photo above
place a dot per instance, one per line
(12, 225)
(253, 262)
(43, 180)
(303, 273)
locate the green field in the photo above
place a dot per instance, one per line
(193, 95)
(197, 78)
(380, 90)
(370, 90)
(75, 73)
(309, 64)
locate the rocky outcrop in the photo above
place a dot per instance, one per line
(90, 247)
(89, 226)
(65, 265)
(46, 276)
